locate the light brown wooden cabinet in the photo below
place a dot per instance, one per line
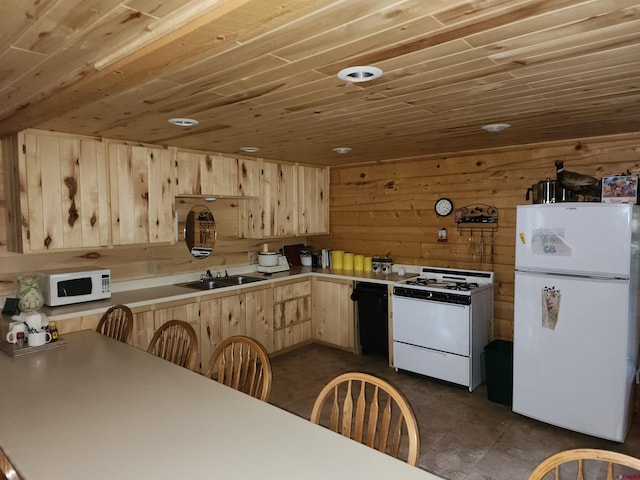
(56, 192)
(245, 313)
(293, 200)
(313, 200)
(201, 173)
(333, 312)
(142, 194)
(291, 313)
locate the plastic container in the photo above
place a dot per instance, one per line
(498, 357)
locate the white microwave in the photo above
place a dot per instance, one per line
(64, 287)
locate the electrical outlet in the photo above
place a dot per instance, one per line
(252, 257)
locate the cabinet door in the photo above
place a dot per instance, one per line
(333, 312)
(210, 174)
(143, 190)
(273, 214)
(63, 192)
(313, 200)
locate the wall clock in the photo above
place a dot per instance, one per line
(443, 207)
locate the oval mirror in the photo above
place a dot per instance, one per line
(200, 231)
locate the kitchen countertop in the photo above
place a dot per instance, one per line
(139, 296)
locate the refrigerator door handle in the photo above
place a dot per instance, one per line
(569, 275)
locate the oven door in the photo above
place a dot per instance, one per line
(435, 325)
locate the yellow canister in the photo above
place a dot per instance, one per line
(337, 258)
(348, 261)
(367, 264)
(358, 262)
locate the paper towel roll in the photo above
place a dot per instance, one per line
(265, 247)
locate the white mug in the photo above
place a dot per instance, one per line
(38, 338)
(14, 329)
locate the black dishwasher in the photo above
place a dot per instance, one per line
(372, 300)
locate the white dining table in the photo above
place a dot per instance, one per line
(98, 409)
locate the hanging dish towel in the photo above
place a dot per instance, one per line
(550, 307)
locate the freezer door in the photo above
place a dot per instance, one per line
(578, 375)
(574, 238)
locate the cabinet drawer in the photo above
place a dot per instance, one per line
(289, 313)
(433, 363)
(291, 290)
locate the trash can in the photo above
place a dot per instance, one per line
(498, 356)
(372, 300)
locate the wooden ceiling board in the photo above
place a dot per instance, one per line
(255, 72)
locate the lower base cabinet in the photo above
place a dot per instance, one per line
(291, 314)
(333, 312)
(279, 315)
(246, 313)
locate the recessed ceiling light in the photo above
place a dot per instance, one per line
(250, 149)
(359, 74)
(184, 122)
(342, 149)
(495, 127)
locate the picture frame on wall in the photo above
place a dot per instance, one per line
(620, 189)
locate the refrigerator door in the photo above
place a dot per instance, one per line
(578, 375)
(574, 238)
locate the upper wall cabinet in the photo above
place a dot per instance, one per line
(293, 200)
(143, 190)
(210, 174)
(273, 213)
(313, 200)
(56, 192)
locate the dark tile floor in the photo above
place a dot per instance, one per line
(463, 435)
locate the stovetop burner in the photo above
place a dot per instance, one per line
(464, 282)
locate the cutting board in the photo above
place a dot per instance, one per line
(292, 252)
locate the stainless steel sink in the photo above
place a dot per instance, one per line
(221, 282)
(240, 279)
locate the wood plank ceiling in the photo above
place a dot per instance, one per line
(263, 73)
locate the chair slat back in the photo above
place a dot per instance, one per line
(117, 323)
(242, 363)
(7, 470)
(576, 460)
(370, 411)
(175, 341)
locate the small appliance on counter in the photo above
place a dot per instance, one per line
(74, 285)
(280, 265)
(271, 262)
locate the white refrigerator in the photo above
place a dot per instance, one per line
(576, 316)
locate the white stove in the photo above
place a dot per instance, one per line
(441, 323)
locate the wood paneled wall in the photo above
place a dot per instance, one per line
(387, 208)
(378, 209)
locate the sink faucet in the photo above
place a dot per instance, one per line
(226, 274)
(206, 276)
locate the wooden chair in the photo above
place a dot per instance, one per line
(242, 363)
(175, 341)
(7, 471)
(554, 463)
(117, 323)
(378, 416)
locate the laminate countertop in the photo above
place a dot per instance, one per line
(139, 296)
(99, 409)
